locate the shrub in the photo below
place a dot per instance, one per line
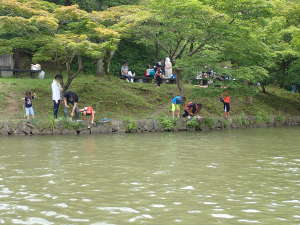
(280, 118)
(167, 124)
(242, 120)
(209, 122)
(68, 123)
(225, 123)
(262, 117)
(131, 126)
(193, 123)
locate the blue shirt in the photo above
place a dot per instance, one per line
(177, 100)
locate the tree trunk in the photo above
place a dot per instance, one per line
(179, 81)
(107, 61)
(100, 67)
(263, 87)
(72, 76)
(103, 64)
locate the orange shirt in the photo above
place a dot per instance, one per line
(227, 99)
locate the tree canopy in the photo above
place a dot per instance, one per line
(257, 40)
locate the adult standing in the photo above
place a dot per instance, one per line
(71, 100)
(168, 68)
(56, 93)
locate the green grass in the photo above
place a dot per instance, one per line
(115, 98)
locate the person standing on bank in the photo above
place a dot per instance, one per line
(56, 93)
(226, 100)
(29, 96)
(168, 68)
(177, 101)
(71, 100)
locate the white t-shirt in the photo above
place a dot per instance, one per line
(56, 91)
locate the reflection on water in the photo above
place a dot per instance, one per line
(233, 177)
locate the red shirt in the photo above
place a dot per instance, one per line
(227, 99)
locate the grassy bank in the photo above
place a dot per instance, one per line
(114, 98)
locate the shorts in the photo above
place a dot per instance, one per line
(175, 107)
(226, 107)
(29, 111)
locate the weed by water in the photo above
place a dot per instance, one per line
(194, 124)
(68, 123)
(280, 118)
(168, 124)
(225, 122)
(209, 122)
(262, 117)
(241, 120)
(131, 125)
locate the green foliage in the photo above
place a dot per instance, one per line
(252, 40)
(168, 124)
(241, 119)
(280, 118)
(138, 57)
(90, 5)
(209, 122)
(67, 123)
(194, 124)
(235, 89)
(225, 123)
(131, 126)
(262, 117)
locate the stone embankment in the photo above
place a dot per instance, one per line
(25, 128)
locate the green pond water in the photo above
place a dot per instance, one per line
(232, 177)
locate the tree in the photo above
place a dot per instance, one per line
(118, 23)
(24, 26)
(91, 5)
(77, 36)
(62, 34)
(182, 28)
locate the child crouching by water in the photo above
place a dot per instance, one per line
(29, 96)
(90, 112)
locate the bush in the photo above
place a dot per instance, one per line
(242, 120)
(262, 117)
(209, 122)
(193, 123)
(167, 124)
(280, 118)
(131, 126)
(68, 123)
(225, 123)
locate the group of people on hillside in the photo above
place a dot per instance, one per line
(162, 69)
(192, 109)
(70, 102)
(69, 99)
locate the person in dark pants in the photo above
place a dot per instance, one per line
(226, 100)
(56, 93)
(158, 77)
(71, 99)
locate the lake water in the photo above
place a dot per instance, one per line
(233, 177)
